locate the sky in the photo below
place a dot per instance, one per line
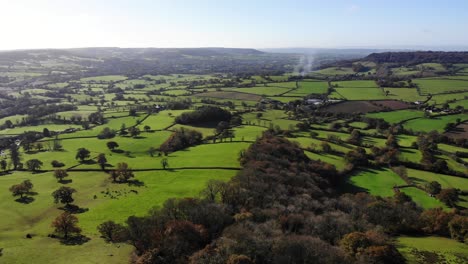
(33, 24)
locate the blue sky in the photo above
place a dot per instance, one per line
(237, 23)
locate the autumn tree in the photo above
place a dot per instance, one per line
(151, 151)
(458, 227)
(164, 163)
(64, 195)
(15, 156)
(66, 224)
(59, 174)
(134, 131)
(21, 189)
(112, 232)
(102, 161)
(433, 188)
(82, 154)
(122, 174)
(34, 164)
(112, 145)
(3, 164)
(448, 197)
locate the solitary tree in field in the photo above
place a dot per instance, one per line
(46, 132)
(101, 159)
(82, 154)
(39, 146)
(122, 174)
(66, 224)
(151, 151)
(59, 174)
(15, 156)
(112, 232)
(165, 163)
(3, 164)
(147, 128)
(134, 131)
(21, 189)
(112, 145)
(64, 195)
(433, 187)
(34, 164)
(448, 197)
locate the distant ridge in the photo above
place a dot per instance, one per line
(417, 57)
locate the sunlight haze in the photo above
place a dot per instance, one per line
(253, 24)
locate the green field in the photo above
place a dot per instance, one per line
(397, 116)
(35, 218)
(423, 177)
(436, 86)
(436, 123)
(377, 182)
(419, 249)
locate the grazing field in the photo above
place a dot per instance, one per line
(231, 95)
(306, 88)
(397, 116)
(447, 181)
(358, 94)
(422, 198)
(108, 78)
(436, 123)
(337, 161)
(129, 116)
(432, 250)
(20, 219)
(377, 182)
(335, 71)
(355, 84)
(260, 90)
(436, 86)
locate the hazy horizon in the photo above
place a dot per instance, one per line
(53, 24)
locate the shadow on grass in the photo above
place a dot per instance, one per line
(89, 162)
(75, 240)
(118, 151)
(67, 181)
(25, 200)
(73, 209)
(136, 183)
(139, 137)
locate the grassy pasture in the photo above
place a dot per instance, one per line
(436, 123)
(306, 88)
(230, 95)
(260, 90)
(447, 181)
(337, 161)
(35, 218)
(355, 84)
(397, 116)
(422, 249)
(358, 94)
(377, 182)
(462, 103)
(423, 199)
(335, 71)
(436, 86)
(106, 78)
(404, 71)
(39, 128)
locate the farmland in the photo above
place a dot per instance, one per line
(183, 130)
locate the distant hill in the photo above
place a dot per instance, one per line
(140, 61)
(418, 57)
